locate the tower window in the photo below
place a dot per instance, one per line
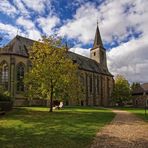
(94, 53)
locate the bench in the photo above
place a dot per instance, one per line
(2, 112)
(58, 106)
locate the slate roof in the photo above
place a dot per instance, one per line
(145, 86)
(141, 89)
(20, 46)
(88, 64)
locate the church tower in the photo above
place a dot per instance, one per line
(98, 52)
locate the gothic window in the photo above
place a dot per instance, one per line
(82, 79)
(82, 82)
(26, 50)
(108, 88)
(74, 61)
(97, 85)
(90, 84)
(94, 53)
(4, 75)
(20, 76)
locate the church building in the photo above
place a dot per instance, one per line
(97, 80)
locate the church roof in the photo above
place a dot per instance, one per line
(88, 64)
(97, 40)
(20, 46)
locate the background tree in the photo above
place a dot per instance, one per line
(134, 85)
(121, 92)
(53, 74)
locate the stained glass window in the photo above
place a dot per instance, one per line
(4, 75)
(20, 77)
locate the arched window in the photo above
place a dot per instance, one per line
(82, 79)
(20, 76)
(90, 79)
(97, 84)
(4, 75)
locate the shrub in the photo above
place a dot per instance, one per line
(4, 95)
(6, 102)
(5, 98)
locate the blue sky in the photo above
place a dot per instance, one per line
(123, 26)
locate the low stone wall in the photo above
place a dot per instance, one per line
(34, 102)
(39, 102)
(139, 101)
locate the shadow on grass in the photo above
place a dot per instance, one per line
(36, 127)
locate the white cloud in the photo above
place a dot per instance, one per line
(8, 30)
(47, 24)
(26, 23)
(113, 22)
(34, 34)
(130, 58)
(81, 51)
(24, 7)
(7, 8)
(30, 29)
(37, 5)
(21, 8)
(83, 25)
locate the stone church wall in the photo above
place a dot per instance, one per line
(34, 102)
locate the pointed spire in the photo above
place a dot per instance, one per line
(98, 40)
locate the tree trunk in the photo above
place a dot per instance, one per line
(51, 99)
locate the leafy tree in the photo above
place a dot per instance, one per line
(134, 85)
(121, 92)
(53, 74)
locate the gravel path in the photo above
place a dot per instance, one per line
(125, 131)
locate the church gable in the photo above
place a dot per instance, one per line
(18, 46)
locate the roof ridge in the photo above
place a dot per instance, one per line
(24, 38)
(144, 83)
(83, 56)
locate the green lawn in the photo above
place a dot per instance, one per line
(35, 127)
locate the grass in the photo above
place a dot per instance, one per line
(140, 112)
(35, 127)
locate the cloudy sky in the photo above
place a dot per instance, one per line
(123, 25)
